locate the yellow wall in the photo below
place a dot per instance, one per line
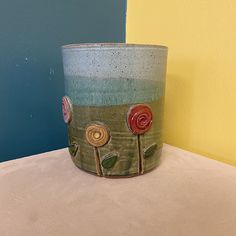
(200, 109)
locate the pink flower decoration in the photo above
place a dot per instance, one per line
(66, 109)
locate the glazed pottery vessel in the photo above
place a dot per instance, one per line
(113, 106)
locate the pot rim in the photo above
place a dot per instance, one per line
(111, 46)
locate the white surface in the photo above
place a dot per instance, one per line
(186, 195)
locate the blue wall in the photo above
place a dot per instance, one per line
(31, 73)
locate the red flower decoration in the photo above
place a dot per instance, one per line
(66, 109)
(139, 119)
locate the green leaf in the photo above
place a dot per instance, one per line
(109, 160)
(73, 148)
(149, 151)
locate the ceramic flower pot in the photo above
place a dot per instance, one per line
(113, 106)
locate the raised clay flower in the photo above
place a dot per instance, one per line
(139, 119)
(97, 135)
(66, 109)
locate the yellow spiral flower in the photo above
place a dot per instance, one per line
(97, 135)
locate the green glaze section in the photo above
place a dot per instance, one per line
(122, 140)
(112, 91)
(109, 160)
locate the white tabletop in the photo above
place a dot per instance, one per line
(186, 195)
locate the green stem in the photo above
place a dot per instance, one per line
(140, 155)
(97, 160)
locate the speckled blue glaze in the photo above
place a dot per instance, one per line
(114, 74)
